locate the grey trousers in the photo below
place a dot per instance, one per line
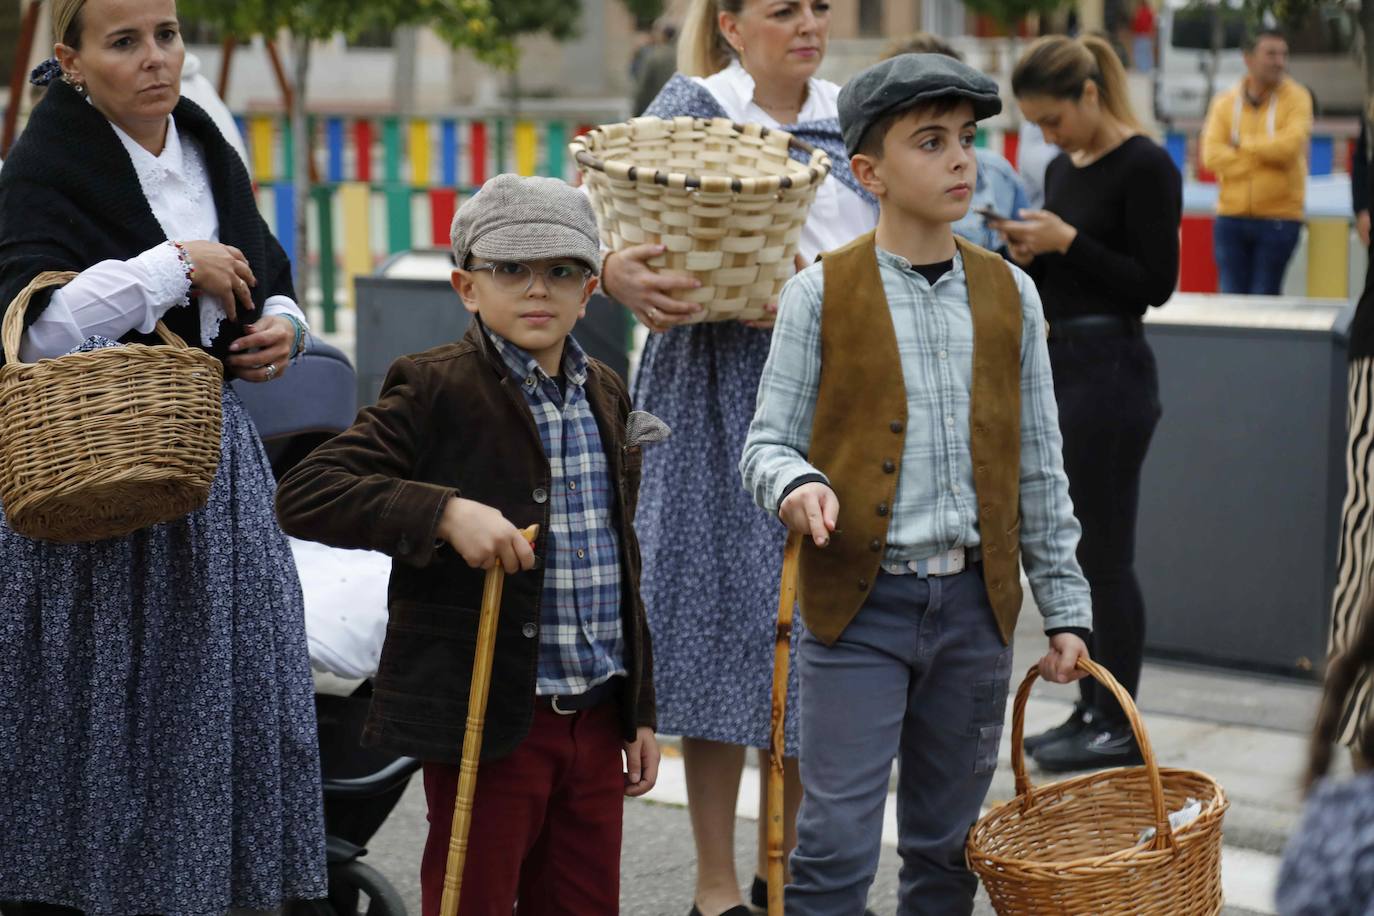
(920, 675)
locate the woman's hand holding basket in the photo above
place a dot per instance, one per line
(628, 278)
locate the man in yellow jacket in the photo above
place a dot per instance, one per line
(1255, 140)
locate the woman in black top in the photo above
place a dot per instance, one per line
(1104, 248)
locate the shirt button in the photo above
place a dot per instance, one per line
(944, 354)
(528, 630)
(572, 484)
(540, 495)
(889, 466)
(581, 553)
(949, 421)
(895, 426)
(956, 489)
(529, 381)
(882, 509)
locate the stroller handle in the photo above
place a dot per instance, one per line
(384, 780)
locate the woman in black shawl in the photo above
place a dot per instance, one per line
(157, 735)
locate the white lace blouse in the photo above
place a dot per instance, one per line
(114, 297)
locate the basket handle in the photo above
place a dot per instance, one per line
(1164, 837)
(13, 328)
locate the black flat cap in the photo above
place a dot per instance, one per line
(906, 80)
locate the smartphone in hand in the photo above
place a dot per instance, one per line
(990, 215)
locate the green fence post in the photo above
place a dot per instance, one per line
(324, 217)
(556, 151)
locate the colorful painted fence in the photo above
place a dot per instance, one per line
(390, 184)
(393, 183)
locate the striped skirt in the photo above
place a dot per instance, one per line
(1354, 594)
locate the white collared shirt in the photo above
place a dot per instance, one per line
(838, 215)
(114, 297)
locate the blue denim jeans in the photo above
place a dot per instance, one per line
(1252, 254)
(919, 675)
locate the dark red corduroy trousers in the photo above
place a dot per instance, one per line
(546, 822)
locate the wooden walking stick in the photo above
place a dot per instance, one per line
(472, 737)
(782, 646)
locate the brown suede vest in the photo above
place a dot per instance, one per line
(860, 429)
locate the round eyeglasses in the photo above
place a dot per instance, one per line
(564, 280)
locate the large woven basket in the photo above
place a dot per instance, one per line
(727, 202)
(99, 444)
(1073, 847)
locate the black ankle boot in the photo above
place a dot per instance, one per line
(1078, 720)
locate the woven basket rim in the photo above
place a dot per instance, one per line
(1194, 831)
(816, 170)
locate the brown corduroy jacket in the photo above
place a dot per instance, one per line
(450, 422)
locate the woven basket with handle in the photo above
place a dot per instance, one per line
(1074, 847)
(727, 202)
(99, 444)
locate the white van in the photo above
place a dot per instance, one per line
(1321, 57)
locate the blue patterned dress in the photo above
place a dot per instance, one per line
(157, 723)
(712, 559)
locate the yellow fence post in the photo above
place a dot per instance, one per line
(1328, 254)
(355, 201)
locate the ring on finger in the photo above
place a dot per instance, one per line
(653, 314)
(271, 371)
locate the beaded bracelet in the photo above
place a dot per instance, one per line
(298, 348)
(184, 257)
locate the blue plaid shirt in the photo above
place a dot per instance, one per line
(581, 641)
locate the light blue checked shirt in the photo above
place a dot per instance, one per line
(582, 643)
(936, 508)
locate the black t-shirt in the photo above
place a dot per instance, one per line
(1126, 207)
(933, 272)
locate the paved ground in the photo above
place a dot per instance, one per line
(1249, 732)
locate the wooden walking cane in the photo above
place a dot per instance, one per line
(782, 646)
(472, 737)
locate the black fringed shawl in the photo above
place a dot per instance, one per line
(70, 198)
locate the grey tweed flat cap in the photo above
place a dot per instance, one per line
(906, 80)
(526, 219)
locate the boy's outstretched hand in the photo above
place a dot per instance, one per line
(1060, 664)
(484, 537)
(641, 763)
(811, 508)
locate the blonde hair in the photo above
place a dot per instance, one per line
(1060, 67)
(66, 22)
(701, 49)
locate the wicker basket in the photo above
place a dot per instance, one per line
(99, 444)
(1072, 847)
(725, 200)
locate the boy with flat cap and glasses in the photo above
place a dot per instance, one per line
(469, 442)
(921, 476)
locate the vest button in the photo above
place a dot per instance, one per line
(529, 630)
(995, 584)
(540, 495)
(982, 469)
(895, 426)
(875, 545)
(889, 466)
(863, 585)
(882, 510)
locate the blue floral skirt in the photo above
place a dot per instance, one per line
(712, 559)
(157, 722)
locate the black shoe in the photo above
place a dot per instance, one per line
(1097, 746)
(740, 910)
(758, 896)
(1078, 720)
